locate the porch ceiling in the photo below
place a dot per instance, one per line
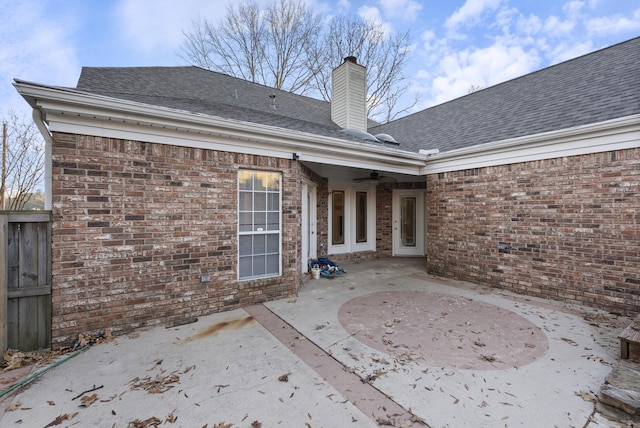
(343, 174)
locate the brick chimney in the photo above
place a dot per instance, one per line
(349, 95)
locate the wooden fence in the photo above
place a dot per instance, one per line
(25, 273)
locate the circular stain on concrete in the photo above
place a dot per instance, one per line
(443, 330)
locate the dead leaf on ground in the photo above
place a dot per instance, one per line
(417, 419)
(529, 345)
(51, 403)
(256, 424)
(147, 423)
(60, 419)
(157, 385)
(284, 377)
(586, 396)
(222, 425)
(489, 358)
(171, 418)
(14, 406)
(88, 399)
(569, 341)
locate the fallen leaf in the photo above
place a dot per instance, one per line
(151, 422)
(171, 418)
(284, 377)
(88, 399)
(569, 341)
(586, 396)
(156, 385)
(14, 406)
(417, 419)
(529, 345)
(51, 403)
(60, 419)
(256, 424)
(489, 358)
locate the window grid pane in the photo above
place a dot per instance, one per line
(259, 224)
(361, 217)
(337, 217)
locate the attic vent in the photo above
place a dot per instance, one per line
(360, 134)
(387, 139)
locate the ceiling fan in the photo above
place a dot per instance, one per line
(375, 177)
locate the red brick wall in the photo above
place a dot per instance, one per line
(566, 228)
(136, 225)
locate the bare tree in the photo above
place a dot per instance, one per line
(473, 88)
(286, 47)
(267, 47)
(384, 55)
(23, 167)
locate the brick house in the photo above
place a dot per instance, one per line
(178, 192)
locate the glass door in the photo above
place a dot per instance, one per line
(408, 223)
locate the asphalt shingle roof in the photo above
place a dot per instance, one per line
(198, 90)
(592, 88)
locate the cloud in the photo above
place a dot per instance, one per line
(470, 12)
(616, 24)
(406, 10)
(555, 27)
(372, 14)
(158, 24)
(573, 7)
(457, 71)
(37, 45)
(564, 51)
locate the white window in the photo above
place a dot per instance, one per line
(352, 217)
(259, 220)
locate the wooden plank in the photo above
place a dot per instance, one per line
(27, 323)
(12, 324)
(28, 265)
(4, 224)
(12, 260)
(46, 311)
(28, 216)
(43, 326)
(43, 254)
(29, 291)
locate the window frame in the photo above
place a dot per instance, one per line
(256, 230)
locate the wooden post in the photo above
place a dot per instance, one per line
(3, 179)
(4, 224)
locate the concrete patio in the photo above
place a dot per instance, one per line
(384, 344)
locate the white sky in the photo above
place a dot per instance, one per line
(456, 44)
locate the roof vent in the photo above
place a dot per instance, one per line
(360, 134)
(388, 139)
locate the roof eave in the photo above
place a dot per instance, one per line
(70, 110)
(615, 134)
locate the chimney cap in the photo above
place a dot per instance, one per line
(352, 59)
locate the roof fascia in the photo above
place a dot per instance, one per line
(71, 111)
(615, 134)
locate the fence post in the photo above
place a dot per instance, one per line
(4, 223)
